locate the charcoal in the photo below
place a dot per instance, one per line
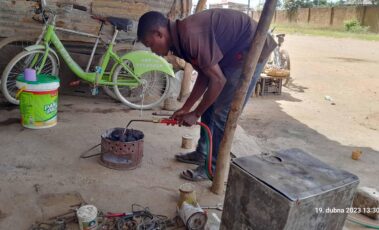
(129, 136)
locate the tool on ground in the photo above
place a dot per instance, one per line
(139, 219)
(169, 121)
(188, 209)
(58, 222)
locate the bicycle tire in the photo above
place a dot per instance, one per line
(13, 45)
(139, 97)
(10, 73)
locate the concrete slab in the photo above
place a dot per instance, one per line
(49, 160)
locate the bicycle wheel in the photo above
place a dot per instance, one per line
(13, 45)
(119, 49)
(17, 65)
(285, 64)
(153, 90)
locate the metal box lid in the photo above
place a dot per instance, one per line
(294, 173)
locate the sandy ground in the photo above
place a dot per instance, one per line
(41, 168)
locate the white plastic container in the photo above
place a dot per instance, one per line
(87, 217)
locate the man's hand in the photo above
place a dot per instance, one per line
(188, 119)
(179, 113)
(184, 117)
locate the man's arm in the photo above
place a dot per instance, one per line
(197, 91)
(199, 88)
(216, 81)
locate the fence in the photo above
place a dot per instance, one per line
(329, 17)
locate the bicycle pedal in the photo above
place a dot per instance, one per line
(95, 91)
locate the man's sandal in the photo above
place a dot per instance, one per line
(191, 158)
(197, 174)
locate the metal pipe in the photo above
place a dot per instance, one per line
(94, 48)
(76, 32)
(92, 54)
(40, 37)
(114, 35)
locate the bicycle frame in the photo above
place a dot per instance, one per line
(142, 61)
(50, 37)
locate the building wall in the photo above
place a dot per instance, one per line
(16, 15)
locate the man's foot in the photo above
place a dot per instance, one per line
(191, 158)
(197, 174)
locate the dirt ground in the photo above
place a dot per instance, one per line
(41, 168)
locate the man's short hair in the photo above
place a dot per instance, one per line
(149, 22)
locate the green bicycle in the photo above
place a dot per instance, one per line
(139, 79)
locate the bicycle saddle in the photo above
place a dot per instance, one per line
(280, 35)
(120, 23)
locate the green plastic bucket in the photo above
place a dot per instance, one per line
(38, 101)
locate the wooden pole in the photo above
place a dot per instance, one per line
(250, 64)
(200, 5)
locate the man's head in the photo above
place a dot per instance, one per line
(153, 32)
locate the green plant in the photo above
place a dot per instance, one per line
(355, 26)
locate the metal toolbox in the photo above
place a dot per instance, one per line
(286, 190)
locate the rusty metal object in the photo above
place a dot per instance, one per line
(121, 155)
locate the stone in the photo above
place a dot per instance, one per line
(367, 199)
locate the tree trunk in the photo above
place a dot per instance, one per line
(223, 159)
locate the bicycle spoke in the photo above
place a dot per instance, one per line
(11, 83)
(19, 69)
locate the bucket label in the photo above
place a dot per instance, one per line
(90, 225)
(51, 108)
(39, 109)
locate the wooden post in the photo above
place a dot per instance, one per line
(250, 64)
(200, 5)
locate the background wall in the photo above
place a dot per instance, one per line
(16, 15)
(330, 17)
